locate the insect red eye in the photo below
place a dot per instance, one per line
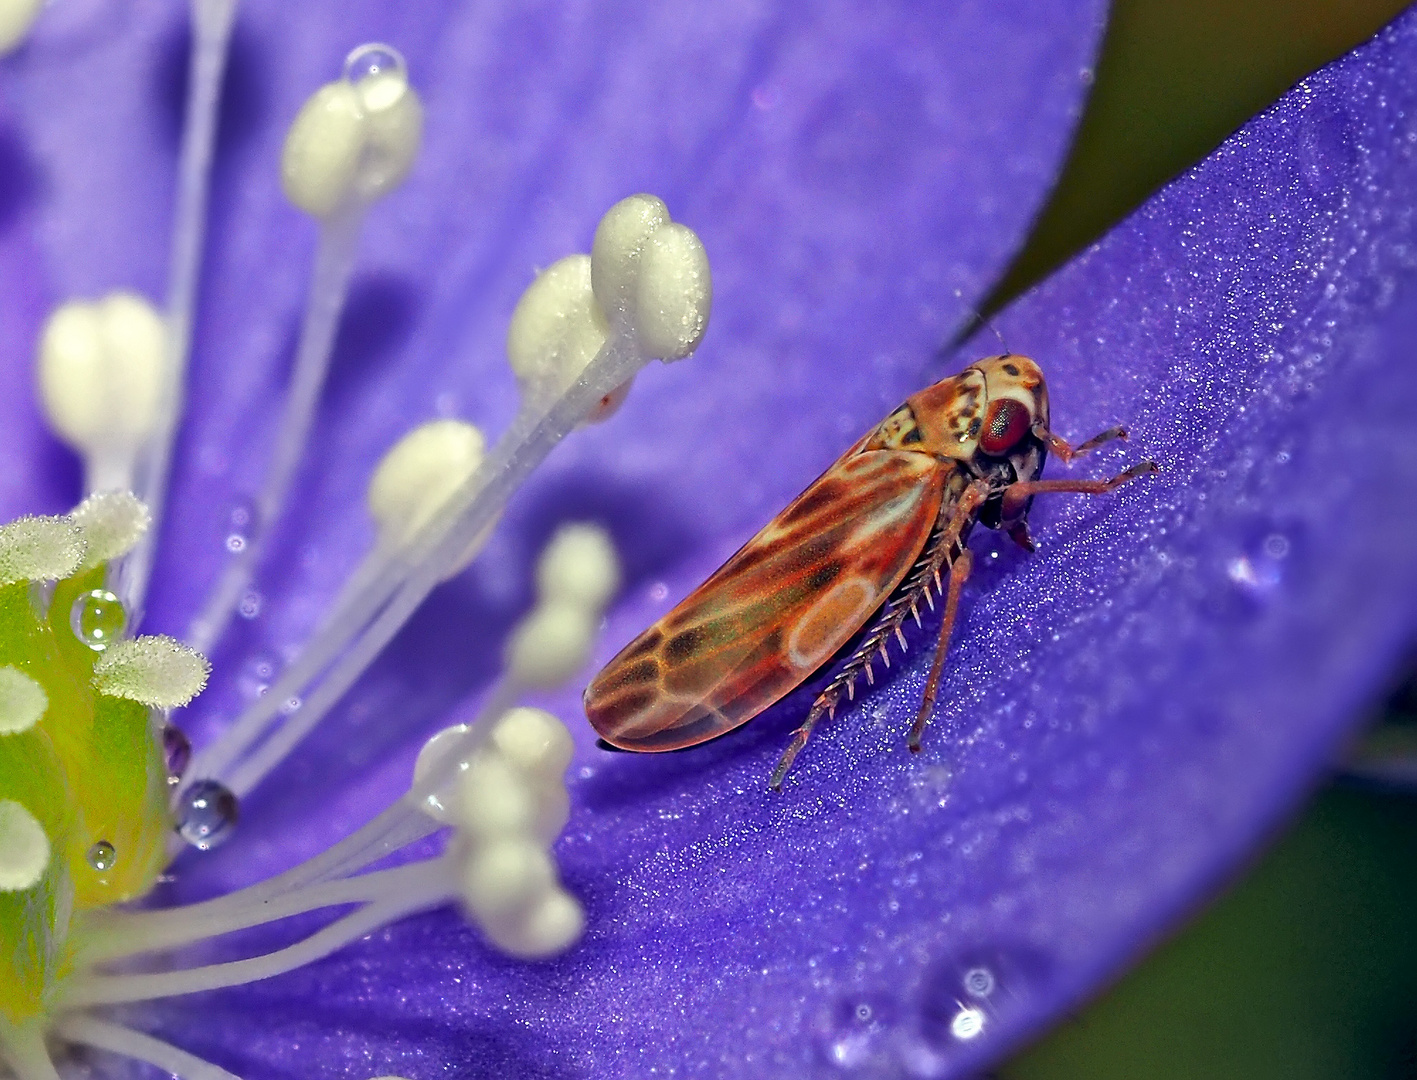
(1006, 422)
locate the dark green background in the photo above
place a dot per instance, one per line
(1308, 967)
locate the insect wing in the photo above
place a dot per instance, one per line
(777, 610)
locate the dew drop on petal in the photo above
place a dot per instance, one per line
(855, 1034)
(257, 674)
(968, 1023)
(98, 619)
(206, 814)
(102, 856)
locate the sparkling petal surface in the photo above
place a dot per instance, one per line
(850, 170)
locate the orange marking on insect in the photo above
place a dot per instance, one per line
(871, 536)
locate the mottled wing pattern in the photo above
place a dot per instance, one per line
(778, 609)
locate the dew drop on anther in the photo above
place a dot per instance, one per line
(177, 751)
(206, 814)
(102, 856)
(370, 61)
(97, 619)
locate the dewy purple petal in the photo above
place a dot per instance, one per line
(849, 166)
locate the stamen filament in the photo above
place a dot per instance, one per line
(435, 885)
(117, 1039)
(22, 1048)
(329, 285)
(117, 934)
(370, 621)
(212, 21)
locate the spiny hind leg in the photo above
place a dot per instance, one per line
(959, 573)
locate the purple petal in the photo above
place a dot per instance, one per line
(849, 168)
(1127, 713)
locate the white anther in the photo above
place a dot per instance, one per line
(675, 293)
(22, 701)
(556, 330)
(39, 549)
(355, 138)
(553, 810)
(439, 804)
(24, 849)
(651, 277)
(419, 474)
(551, 644)
(112, 522)
(16, 18)
(535, 742)
(157, 670)
(493, 799)
(553, 925)
(100, 380)
(503, 879)
(579, 566)
(620, 241)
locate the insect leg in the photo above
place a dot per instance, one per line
(1017, 495)
(959, 574)
(799, 739)
(1059, 446)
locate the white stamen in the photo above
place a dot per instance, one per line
(418, 477)
(345, 646)
(536, 742)
(557, 328)
(212, 21)
(100, 381)
(675, 293)
(112, 523)
(352, 142)
(620, 240)
(432, 885)
(553, 925)
(504, 878)
(356, 138)
(580, 567)
(116, 1039)
(492, 799)
(16, 18)
(156, 670)
(39, 549)
(24, 849)
(22, 701)
(550, 645)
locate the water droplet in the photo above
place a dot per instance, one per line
(367, 61)
(98, 619)
(206, 814)
(177, 751)
(658, 592)
(250, 605)
(963, 997)
(102, 856)
(257, 674)
(968, 1023)
(855, 1034)
(1260, 570)
(239, 524)
(978, 982)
